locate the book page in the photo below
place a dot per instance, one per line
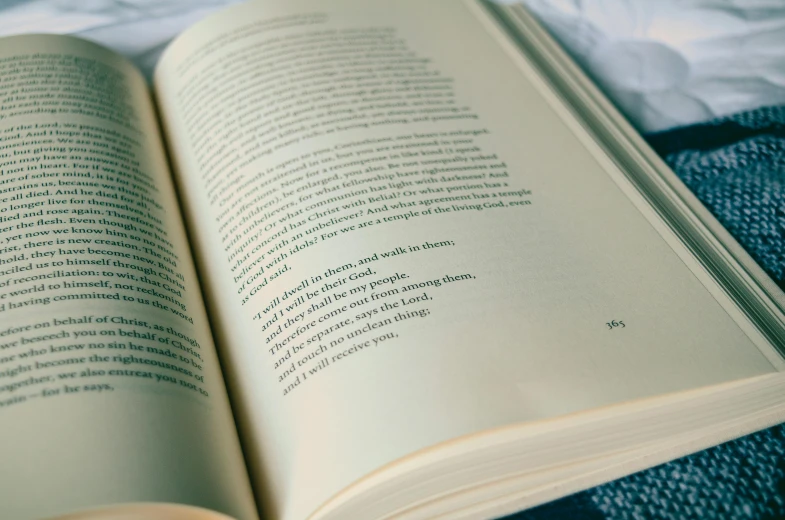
(110, 388)
(404, 241)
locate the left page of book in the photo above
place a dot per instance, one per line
(110, 387)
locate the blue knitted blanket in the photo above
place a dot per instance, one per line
(736, 166)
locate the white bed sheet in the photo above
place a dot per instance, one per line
(669, 63)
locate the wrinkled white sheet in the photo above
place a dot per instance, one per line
(669, 63)
(665, 63)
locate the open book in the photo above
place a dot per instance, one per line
(443, 277)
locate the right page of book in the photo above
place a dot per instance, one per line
(405, 238)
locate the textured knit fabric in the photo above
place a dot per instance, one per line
(736, 167)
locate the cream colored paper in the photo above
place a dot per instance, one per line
(565, 298)
(110, 388)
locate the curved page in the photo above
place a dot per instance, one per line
(110, 389)
(407, 239)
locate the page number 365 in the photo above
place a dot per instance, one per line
(615, 324)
